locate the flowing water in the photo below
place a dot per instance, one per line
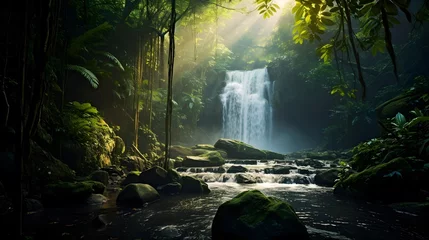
(247, 112)
(189, 217)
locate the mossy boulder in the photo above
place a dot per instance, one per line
(132, 177)
(136, 195)
(170, 189)
(208, 159)
(326, 178)
(309, 162)
(204, 148)
(100, 176)
(70, 192)
(238, 149)
(278, 170)
(247, 178)
(47, 169)
(155, 177)
(119, 146)
(252, 215)
(132, 163)
(194, 185)
(389, 182)
(180, 151)
(174, 176)
(237, 169)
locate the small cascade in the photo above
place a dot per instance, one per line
(255, 171)
(247, 112)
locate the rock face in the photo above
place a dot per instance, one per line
(194, 185)
(241, 150)
(136, 195)
(326, 178)
(252, 215)
(389, 182)
(208, 159)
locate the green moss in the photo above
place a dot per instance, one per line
(71, 192)
(180, 151)
(205, 147)
(214, 157)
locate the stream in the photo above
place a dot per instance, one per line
(326, 215)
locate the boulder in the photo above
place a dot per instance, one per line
(388, 182)
(208, 159)
(170, 189)
(32, 205)
(326, 178)
(219, 170)
(70, 192)
(309, 162)
(305, 171)
(47, 169)
(155, 177)
(96, 199)
(252, 215)
(277, 170)
(174, 176)
(132, 163)
(119, 146)
(132, 177)
(247, 178)
(180, 151)
(136, 195)
(100, 176)
(237, 169)
(238, 149)
(194, 185)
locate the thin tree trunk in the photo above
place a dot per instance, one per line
(162, 61)
(6, 106)
(170, 85)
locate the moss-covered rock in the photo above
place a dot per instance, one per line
(132, 177)
(47, 169)
(390, 182)
(252, 215)
(194, 185)
(155, 177)
(247, 178)
(237, 169)
(208, 159)
(180, 151)
(136, 195)
(174, 176)
(90, 141)
(205, 146)
(132, 163)
(170, 189)
(119, 146)
(326, 178)
(200, 149)
(238, 149)
(70, 192)
(278, 170)
(309, 162)
(100, 176)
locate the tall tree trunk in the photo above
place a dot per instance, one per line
(162, 61)
(169, 112)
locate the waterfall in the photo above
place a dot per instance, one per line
(247, 112)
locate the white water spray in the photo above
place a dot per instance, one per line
(247, 112)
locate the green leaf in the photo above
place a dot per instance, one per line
(93, 80)
(327, 21)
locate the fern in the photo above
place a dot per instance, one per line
(93, 80)
(113, 58)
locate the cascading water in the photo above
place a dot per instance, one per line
(247, 112)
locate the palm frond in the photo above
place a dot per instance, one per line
(112, 58)
(83, 41)
(93, 80)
